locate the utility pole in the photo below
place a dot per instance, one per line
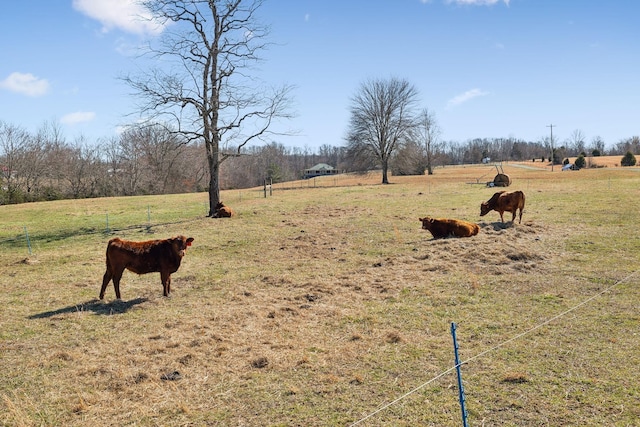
(552, 156)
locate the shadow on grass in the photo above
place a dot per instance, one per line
(47, 237)
(20, 240)
(96, 306)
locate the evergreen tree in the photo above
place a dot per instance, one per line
(628, 160)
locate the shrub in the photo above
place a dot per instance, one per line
(580, 162)
(628, 160)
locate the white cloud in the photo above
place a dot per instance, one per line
(78, 117)
(467, 96)
(127, 15)
(478, 2)
(26, 84)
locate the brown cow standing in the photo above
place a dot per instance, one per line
(163, 256)
(443, 227)
(223, 211)
(502, 202)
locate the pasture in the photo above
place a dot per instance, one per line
(319, 305)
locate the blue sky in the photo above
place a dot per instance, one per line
(485, 68)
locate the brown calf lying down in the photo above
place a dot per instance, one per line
(443, 227)
(223, 211)
(502, 202)
(163, 256)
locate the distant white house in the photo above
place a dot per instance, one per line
(321, 169)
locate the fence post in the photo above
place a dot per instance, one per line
(148, 219)
(460, 386)
(107, 230)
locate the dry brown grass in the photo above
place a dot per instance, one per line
(318, 305)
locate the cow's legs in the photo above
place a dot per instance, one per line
(105, 281)
(166, 283)
(117, 275)
(520, 221)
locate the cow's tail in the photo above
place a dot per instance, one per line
(106, 257)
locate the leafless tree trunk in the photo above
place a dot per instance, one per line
(427, 132)
(381, 117)
(206, 88)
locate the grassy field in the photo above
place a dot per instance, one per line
(324, 303)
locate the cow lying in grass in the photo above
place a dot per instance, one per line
(502, 202)
(223, 211)
(162, 256)
(444, 227)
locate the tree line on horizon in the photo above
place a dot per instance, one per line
(153, 160)
(208, 124)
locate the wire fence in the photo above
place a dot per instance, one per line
(107, 223)
(95, 224)
(492, 349)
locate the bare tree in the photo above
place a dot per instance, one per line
(130, 168)
(381, 117)
(427, 132)
(206, 87)
(597, 146)
(57, 153)
(34, 165)
(410, 159)
(114, 159)
(83, 169)
(631, 144)
(13, 143)
(195, 164)
(160, 150)
(576, 142)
